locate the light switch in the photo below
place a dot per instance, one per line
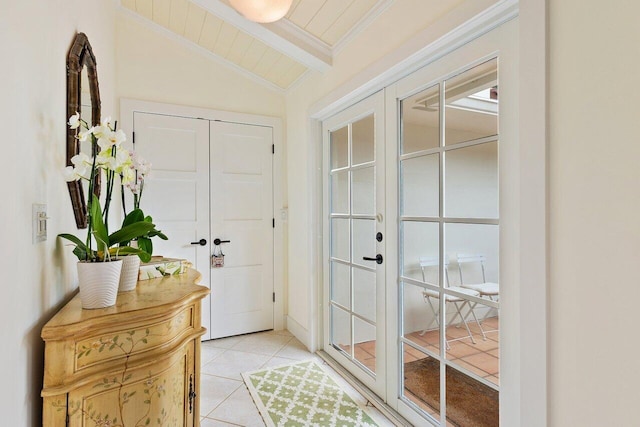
(39, 222)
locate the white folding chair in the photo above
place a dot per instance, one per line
(479, 283)
(428, 264)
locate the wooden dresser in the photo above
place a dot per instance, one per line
(134, 364)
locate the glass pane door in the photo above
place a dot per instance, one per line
(448, 238)
(354, 291)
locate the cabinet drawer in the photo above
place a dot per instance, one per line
(131, 341)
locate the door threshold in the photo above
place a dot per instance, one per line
(386, 410)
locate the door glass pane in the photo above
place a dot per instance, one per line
(420, 323)
(480, 405)
(364, 241)
(341, 330)
(472, 248)
(364, 293)
(471, 99)
(339, 149)
(420, 121)
(421, 374)
(340, 238)
(340, 192)
(419, 240)
(363, 187)
(474, 251)
(420, 183)
(471, 181)
(363, 140)
(481, 358)
(364, 337)
(340, 284)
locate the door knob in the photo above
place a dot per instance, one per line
(218, 241)
(377, 259)
(201, 242)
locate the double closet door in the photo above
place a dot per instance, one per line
(416, 185)
(210, 181)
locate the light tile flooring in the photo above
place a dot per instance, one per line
(225, 400)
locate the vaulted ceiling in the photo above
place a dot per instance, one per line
(279, 53)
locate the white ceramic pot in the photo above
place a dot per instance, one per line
(129, 275)
(98, 283)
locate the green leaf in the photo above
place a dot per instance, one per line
(99, 229)
(80, 250)
(130, 232)
(128, 250)
(145, 244)
(132, 217)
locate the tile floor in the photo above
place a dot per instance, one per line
(225, 400)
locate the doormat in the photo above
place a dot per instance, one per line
(469, 402)
(303, 394)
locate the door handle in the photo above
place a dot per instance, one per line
(218, 241)
(377, 259)
(201, 242)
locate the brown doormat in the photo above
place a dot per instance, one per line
(469, 402)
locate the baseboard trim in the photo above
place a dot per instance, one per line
(298, 331)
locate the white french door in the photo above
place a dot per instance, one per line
(355, 247)
(444, 195)
(210, 181)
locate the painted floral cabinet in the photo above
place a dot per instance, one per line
(132, 365)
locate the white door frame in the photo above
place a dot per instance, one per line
(129, 106)
(529, 390)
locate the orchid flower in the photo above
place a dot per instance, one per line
(74, 121)
(110, 138)
(84, 134)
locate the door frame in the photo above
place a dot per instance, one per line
(528, 391)
(129, 106)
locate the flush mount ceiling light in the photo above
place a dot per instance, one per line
(262, 11)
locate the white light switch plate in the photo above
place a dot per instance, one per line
(39, 215)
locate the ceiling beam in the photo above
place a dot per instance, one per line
(282, 36)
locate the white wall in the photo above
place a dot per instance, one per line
(35, 36)
(594, 213)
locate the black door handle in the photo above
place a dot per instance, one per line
(377, 259)
(218, 241)
(201, 242)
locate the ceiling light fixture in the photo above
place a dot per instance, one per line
(262, 11)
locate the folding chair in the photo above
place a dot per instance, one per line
(429, 263)
(486, 289)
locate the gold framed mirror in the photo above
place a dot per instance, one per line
(81, 71)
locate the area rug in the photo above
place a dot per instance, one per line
(469, 402)
(303, 394)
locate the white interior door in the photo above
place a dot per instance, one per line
(354, 251)
(242, 214)
(176, 193)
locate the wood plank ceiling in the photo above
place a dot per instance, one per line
(326, 21)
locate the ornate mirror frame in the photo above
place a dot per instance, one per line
(80, 56)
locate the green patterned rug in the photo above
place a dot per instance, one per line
(303, 394)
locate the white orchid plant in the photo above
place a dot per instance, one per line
(139, 170)
(111, 160)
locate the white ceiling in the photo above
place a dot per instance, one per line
(279, 53)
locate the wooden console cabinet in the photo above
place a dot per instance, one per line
(131, 365)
